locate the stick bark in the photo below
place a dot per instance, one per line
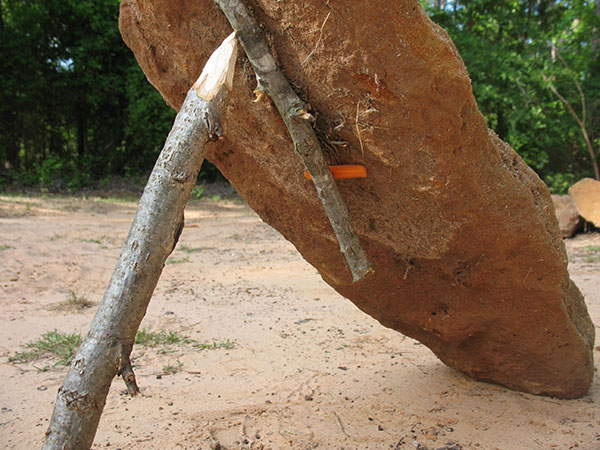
(295, 114)
(153, 235)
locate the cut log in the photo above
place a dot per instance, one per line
(586, 195)
(462, 235)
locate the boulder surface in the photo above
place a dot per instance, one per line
(462, 234)
(567, 215)
(586, 195)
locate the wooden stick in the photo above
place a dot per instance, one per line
(298, 121)
(154, 232)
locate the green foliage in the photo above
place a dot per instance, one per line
(74, 105)
(559, 183)
(515, 50)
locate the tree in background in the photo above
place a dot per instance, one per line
(74, 104)
(535, 69)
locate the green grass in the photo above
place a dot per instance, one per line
(171, 369)
(227, 345)
(93, 241)
(5, 247)
(152, 339)
(55, 345)
(186, 249)
(178, 260)
(595, 258)
(127, 198)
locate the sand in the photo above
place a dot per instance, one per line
(296, 366)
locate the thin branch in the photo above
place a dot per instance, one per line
(129, 378)
(588, 141)
(298, 121)
(577, 85)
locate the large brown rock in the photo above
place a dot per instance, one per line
(462, 234)
(586, 195)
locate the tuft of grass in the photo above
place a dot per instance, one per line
(73, 302)
(54, 345)
(152, 339)
(171, 369)
(595, 257)
(56, 237)
(215, 345)
(178, 260)
(186, 249)
(5, 247)
(93, 241)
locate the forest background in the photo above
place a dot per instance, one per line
(76, 109)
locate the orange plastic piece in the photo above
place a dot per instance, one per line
(344, 172)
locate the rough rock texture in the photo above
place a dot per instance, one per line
(567, 215)
(586, 195)
(463, 236)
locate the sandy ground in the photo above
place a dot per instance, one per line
(306, 369)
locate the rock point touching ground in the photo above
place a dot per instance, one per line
(462, 235)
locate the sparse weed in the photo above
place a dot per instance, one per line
(178, 260)
(5, 247)
(595, 257)
(152, 339)
(73, 302)
(186, 249)
(227, 345)
(170, 369)
(53, 344)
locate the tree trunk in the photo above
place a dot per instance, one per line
(105, 350)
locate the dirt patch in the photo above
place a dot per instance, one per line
(272, 356)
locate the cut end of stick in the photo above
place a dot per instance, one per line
(219, 69)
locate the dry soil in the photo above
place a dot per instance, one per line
(296, 366)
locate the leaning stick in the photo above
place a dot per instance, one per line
(158, 222)
(298, 121)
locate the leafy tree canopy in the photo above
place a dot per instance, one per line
(523, 56)
(74, 105)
